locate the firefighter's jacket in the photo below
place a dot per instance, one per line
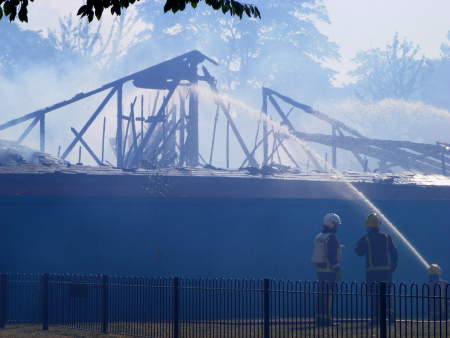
(326, 252)
(380, 252)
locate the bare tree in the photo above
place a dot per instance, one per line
(445, 48)
(105, 43)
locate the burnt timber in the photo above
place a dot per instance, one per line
(167, 134)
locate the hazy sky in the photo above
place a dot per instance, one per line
(355, 24)
(363, 24)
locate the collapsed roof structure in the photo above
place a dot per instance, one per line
(166, 135)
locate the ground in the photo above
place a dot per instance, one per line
(36, 331)
(353, 330)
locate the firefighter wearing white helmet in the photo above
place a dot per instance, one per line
(325, 258)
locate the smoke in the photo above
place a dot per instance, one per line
(35, 89)
(392, 119)
(252, 54)
(85, 57)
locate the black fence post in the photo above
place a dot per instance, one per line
(45, 302)
(383, 310)
(3, 299)
(105, 305)
(176, 307)
(266, 307)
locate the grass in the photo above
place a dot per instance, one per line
(24, 330)
(249, 329)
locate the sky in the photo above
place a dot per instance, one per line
(363, 24)
(355, 25)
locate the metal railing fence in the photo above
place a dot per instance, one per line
(183, 307)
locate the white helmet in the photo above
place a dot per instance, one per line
(331, 220)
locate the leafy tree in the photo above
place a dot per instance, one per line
(282, 50)
(291, 50)
(13, 9)
(394, 72)
(437, 85)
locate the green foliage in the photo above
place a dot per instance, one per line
(13, 9)
(226, 6)
(18, 9)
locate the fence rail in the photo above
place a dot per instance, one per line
(183, 307)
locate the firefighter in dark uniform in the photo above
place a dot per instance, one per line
(381, 258)
(438, 294)
(325, 258)
(381, 254)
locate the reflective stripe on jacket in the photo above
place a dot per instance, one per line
(379, 250)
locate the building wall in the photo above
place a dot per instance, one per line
(203, 237)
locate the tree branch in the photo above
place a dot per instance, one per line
(18, 9)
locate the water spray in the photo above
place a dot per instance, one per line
(374, 208)
(285, 130)
(390, 225)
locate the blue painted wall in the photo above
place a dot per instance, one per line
(202, 237)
